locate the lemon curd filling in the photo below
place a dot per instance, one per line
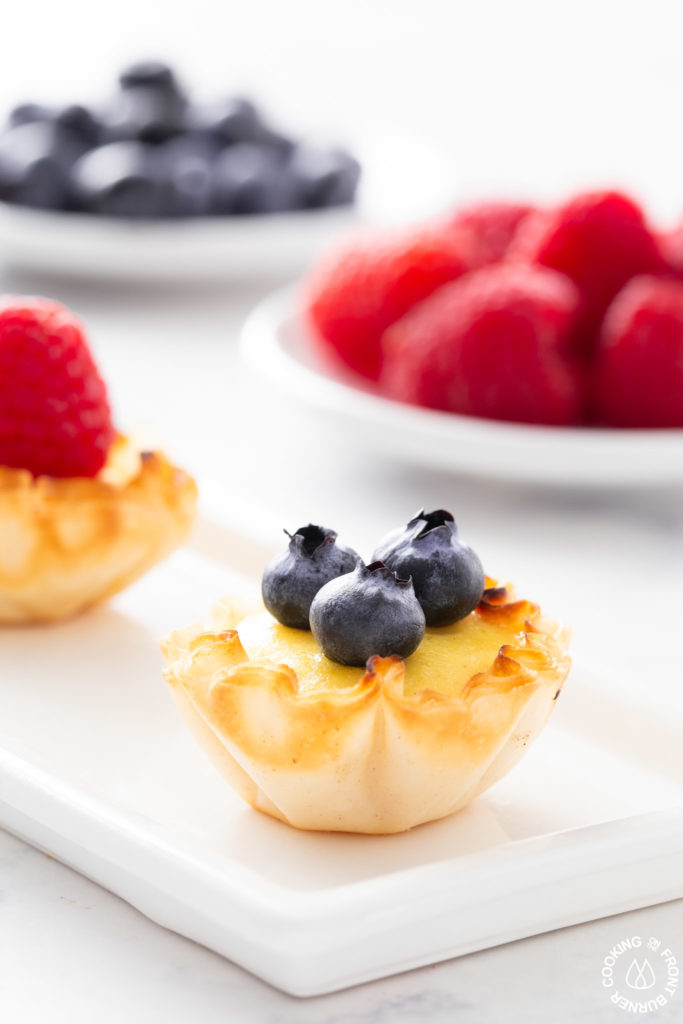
(445, 660)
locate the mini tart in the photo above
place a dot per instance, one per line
(66, 544)
(326, 747)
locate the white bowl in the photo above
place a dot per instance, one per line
(403, 178)
(277, 344)
(193, 249)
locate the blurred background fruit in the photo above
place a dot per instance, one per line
(153, 152)
(563, 315)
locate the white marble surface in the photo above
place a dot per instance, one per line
(609, 563)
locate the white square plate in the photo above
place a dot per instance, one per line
(97, 769)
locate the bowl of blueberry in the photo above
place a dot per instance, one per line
(155, 183)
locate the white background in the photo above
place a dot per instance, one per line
(530, 98)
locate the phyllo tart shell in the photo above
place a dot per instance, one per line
(66, 544)
(373, 755)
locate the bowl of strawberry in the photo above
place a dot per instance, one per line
(504, 339)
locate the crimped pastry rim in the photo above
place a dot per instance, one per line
(515, 664)
(278, 744)
(71, 542)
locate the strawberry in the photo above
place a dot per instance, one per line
(639, 369)
(488, 228)
(369, 283)
(671, 244)
(600, 240)
(493, 344)
(54, 413)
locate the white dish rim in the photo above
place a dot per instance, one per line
(594, 449)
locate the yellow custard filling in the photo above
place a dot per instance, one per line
(445, 660)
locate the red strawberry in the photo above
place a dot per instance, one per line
(362, 288)
(671, 244)
(488, 228)
(493, 344)
(54, 413)
(639, 371)
(600, 239)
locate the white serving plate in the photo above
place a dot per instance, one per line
(403, 178)
(97, 769)
(277, 344)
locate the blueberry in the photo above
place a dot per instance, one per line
(230, 121)
(186, 171)
(150, 106)
(447, 574)
(249, 178)
(144, 114)
(27, 113)
(292, 579)
(280, 143)
(33, 166)
(369, 611)
(120, 180)
(152, 74)
(325, 177)
(191, 143)
(235, 120)
(80, 123)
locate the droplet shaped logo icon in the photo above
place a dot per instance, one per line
(640, 976)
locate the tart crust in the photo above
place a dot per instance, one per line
(66, 544)
(366, 757)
